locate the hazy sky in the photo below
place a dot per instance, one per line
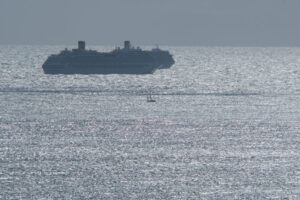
(145, 22)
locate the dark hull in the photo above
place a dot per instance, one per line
(99, 69)
(163, 58)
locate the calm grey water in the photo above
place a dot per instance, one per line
(226, 125)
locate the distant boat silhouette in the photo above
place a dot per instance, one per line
(128, 60)
(149, 98)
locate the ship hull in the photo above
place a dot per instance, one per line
(99, 69)
(163, 58)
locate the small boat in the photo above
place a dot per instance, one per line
(149, 98)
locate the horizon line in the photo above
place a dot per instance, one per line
(155, 44)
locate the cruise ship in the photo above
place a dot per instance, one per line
(126, 60)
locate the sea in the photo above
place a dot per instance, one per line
(225, 125)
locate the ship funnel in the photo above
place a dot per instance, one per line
(127, 45)
(81, 45)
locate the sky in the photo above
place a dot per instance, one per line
(148, 22)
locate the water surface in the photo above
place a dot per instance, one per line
(225, 126)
